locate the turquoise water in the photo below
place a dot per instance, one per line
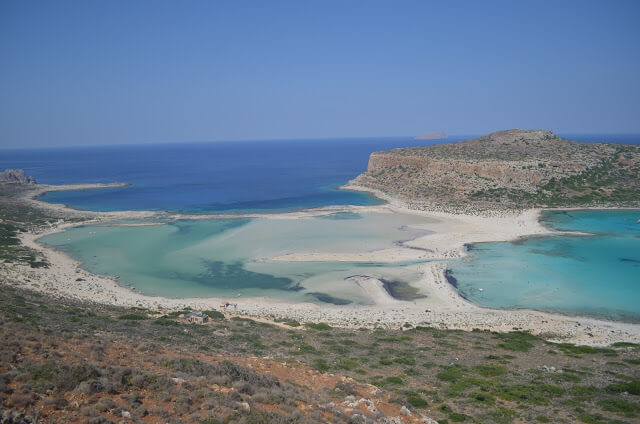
(596, 275)
(230, 257)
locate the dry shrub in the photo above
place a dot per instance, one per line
(244, 387)
(157, 410)
(90, 387)
(56, 402)
(89, 411)
(20, 400)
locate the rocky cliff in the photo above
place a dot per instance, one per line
(509, 169)
(15, 176)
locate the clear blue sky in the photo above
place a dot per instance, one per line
(107, 72)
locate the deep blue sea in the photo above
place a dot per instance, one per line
(217, 176)
(207, 177)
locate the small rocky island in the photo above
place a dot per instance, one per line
(510, 169)
(433, 135)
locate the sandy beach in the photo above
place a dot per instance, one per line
(447, 309)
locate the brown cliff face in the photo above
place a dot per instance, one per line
(509, 169)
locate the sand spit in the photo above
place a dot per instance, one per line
(446, 309)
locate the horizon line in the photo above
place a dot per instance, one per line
(244, 140)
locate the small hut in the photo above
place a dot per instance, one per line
(196, 318)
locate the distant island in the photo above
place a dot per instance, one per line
(434, 135)
(512, 169)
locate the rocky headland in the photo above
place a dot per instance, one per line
(15, 176)
(512, 169)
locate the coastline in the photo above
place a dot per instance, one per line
(66, 278)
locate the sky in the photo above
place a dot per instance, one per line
(123, 72)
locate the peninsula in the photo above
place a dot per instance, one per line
(512, 169)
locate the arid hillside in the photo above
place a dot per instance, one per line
(509, 169)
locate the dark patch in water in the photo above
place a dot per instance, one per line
(232, 275)
(519, 241)
(341, 216)
(327, 298)
(635, 261)
(295, 288)
(185, 227)
(400, 290)
(450, 278)
(448, 274)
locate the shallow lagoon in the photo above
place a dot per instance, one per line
(225, 257)
(595, 275)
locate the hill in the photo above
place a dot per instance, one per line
(509, 169)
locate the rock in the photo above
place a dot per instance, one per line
(405, 411)
(244, 406)
(15, 176)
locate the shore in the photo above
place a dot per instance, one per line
(447, 308)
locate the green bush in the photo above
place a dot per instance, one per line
(618, 405)
(632, 387)
(569, 348)
(393, 380)
(417, 401)
(451, 374)
(321, 365)
(214, 314)
(517, 341)
(490, 370)
(165, 322)
(132, 317)
(318, 326)
(501, 416)
(539, 394)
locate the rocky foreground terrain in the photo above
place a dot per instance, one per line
(510, 169)
(63, 361)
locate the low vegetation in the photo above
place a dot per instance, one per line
(66, 361)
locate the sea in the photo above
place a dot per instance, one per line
(596, 275)
(269, 175)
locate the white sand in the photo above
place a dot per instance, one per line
(448, 310)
